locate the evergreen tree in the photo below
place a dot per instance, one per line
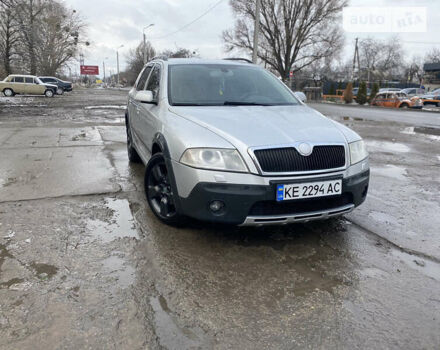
(374, 92)
(348, 93)
(362, 93)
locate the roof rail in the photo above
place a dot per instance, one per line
(237, 59)
(160, 57)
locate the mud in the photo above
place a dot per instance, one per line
(85, 264)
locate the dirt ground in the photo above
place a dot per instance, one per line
(84, 264)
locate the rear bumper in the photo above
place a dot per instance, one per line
(256, 204)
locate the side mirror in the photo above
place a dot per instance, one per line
(145, 96)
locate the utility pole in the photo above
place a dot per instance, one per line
(144, 51)
(356, 57)
(256, 30)
(117, 60)
(103, 67)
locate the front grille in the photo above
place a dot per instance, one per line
(298, 206)
(288, 159)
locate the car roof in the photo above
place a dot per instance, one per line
(176, 61)
(22, 75)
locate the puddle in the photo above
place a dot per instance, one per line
(118, 268)
(431, 133)
(120, 225)
(386, 146)
(4, 254)
(426, 267)
(44, 271)
(171, 335)
(107, 107)
(11, 283)
(391, 171)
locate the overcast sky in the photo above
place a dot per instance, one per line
(112, 23)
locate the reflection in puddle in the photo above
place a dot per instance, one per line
(386, 146)
(426, 267)
(390, 170)
(117, 267)
(44, 271)
(171, 335)
(121, 223)
(353, 118)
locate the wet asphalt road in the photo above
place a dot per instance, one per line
(84, 263)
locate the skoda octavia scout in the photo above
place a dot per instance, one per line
(226, 141)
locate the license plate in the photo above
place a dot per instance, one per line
(309, 190)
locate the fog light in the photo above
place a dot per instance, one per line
(216, 206)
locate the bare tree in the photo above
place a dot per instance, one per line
(433, 56)
(414, 70)
(293, 33)
(60, 31)
(38, 36)
(29, 13)
(381, 59)
(179, 53)
(9, 34)
(135, 60)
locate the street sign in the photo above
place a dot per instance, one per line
(291, 74)
(89, 70)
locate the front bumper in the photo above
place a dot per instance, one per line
(253, 204)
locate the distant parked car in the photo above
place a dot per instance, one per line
(396, 100)
(61, 84)
(413, 91)
(26, 85)
(356, 90)
(301, 96)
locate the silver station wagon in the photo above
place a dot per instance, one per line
(226, 141)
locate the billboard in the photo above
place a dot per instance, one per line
(89, 70)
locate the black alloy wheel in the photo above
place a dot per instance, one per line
(159, 191)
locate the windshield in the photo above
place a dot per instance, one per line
(218, 85)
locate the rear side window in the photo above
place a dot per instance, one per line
(143, 79)
(29, 80)
(18, 79)
(154, 82)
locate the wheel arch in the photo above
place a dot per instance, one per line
(160, 145)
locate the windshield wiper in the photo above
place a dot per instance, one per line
(242, 103)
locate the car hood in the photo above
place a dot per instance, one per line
(250, 126)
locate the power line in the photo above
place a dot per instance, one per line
(190, 23)
(422, 42)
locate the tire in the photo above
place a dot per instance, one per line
(48, 93)
(8, 92)
(404, 105)
(133, 156)
(60, 91)
(159, 193)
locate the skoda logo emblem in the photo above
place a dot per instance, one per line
(305, 149)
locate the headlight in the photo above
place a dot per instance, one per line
(214, 158)
(358, 151)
